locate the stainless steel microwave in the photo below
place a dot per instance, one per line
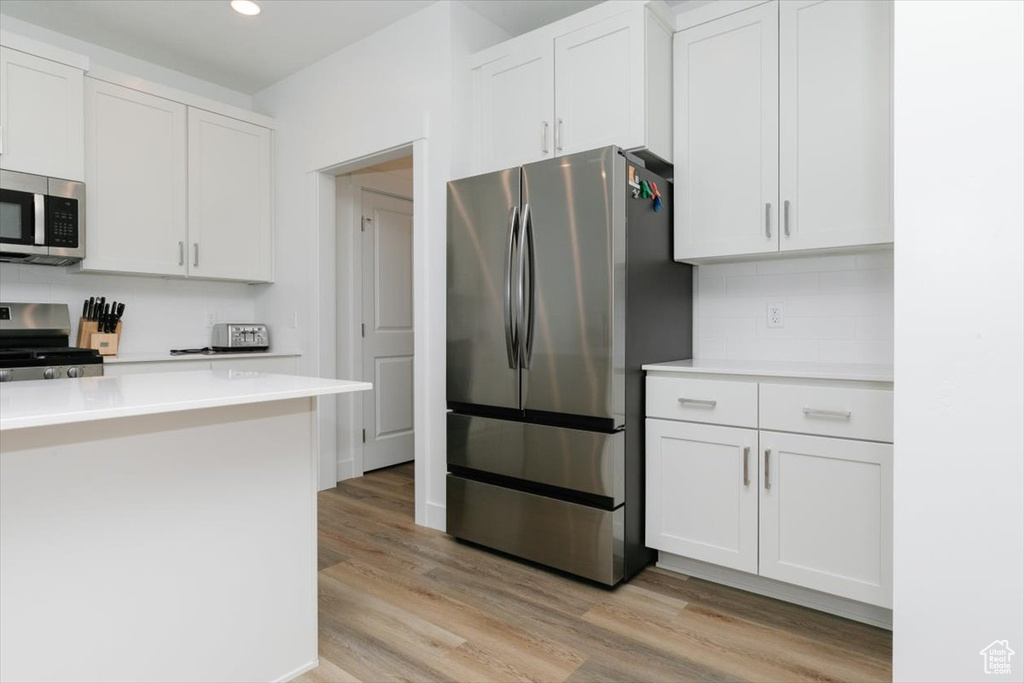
(42, 220)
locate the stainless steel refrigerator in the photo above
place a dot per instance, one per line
(561, 285)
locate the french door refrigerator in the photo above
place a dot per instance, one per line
(561, 285)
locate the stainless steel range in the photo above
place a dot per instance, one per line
(34, 344)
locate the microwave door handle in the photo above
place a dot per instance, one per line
(39, 207)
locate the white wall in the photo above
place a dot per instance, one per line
(959, 344)
(161, 314)
(101, 56)
(836, 309)
(383, 92)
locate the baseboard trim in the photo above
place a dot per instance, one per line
(298, 672)
(346, 469)
(437, 516)
(823, 602)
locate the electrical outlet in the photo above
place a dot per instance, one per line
(211, 319)
(774, 319)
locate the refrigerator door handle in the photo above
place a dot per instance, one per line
(525, 291)
(511, 327)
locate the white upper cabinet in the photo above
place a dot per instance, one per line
(516, 97)
(599, 85)
(726, 136)
(41, 116)
(137, 180)
(783, 128)
(835, 123)
(175, 190)
(600, 77)
(229, 198)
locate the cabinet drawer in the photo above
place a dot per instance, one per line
(701, 400)
(830, 411)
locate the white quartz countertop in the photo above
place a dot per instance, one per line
(164, 356)
(836, 371)
(40, 403)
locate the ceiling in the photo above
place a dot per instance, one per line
(207, 40)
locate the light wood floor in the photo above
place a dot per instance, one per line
(403, 603)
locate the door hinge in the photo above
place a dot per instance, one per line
(362, 329)
(364, 436)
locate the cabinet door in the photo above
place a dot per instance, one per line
(40, 116)
(229, 198)
(599, 85)
(836, 123)
(702, 492)
(726, 135)
(136, 174)
(515, 103)
(826, 515)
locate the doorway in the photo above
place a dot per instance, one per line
(377, 203)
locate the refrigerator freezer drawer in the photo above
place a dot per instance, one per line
(587, 462)
(575, 538)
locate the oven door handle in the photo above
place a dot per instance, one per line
(39, 207)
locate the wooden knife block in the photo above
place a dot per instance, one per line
(89, 337)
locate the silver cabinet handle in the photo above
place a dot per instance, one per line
(558, 136)
(746, 465)
(544, 137)
(785, 217)
(181, 253)
(768, 219)
(707, 403)
(195, 257)
(767, 481)
(817, 412)
(510, 321)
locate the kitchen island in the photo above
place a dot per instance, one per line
(159, 526)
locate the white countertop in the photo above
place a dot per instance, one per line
(41, 403)
(164, 356)
(836, 371)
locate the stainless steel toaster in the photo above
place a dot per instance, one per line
(240, 337)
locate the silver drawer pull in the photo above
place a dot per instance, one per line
(817, 412)
(707, 403)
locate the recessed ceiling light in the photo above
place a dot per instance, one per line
(246, 7)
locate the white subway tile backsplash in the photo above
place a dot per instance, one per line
(810, 264)
(161, 314)
(713, 270)
(875, 259)
(775, 285)
(836, 308)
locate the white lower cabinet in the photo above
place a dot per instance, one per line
(702, 492)
(809, 510)
(826, 515)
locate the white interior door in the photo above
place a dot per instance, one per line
(387, 330)
(726, 113)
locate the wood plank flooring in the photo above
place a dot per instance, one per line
(403, 603)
